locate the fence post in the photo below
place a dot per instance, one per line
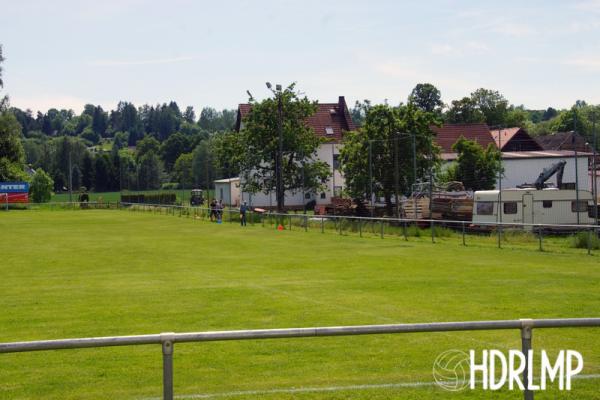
(432, 231)
(167, 351)
(404, 230)
(381, 228)
(305, 223)
(589, 242)
(360, 227)
(290, 221)
(526, 333)
(463, 233)
(540, 238)
(322, 225)
(341, 224)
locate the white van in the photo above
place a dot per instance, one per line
(531, 206)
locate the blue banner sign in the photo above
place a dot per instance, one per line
(14, 187)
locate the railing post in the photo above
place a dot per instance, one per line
(167, 351)
(526, 333)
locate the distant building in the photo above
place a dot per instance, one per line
(330, 122)
(514, 139)
(564, 141)
(523, 158)
(448, 134)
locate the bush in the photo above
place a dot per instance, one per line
(149, 198)
(41, 187)
(581, 240)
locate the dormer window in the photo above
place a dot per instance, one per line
(329, 130)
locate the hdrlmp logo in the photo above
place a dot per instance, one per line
(495, 370)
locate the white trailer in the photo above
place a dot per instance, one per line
(531, 206)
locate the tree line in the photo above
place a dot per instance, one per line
(491, 107)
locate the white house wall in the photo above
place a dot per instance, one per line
(527, 170)
(325, 153)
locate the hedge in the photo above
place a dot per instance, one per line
(154, 198)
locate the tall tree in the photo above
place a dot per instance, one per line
(172, 148)
(386, 141)
(149, 172)
(189, 115)
(426, 97)
(299, 146)
(464, 111)
(99, 121)
(12, 154)
(492, 104)
(182, 170)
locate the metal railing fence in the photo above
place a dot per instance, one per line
(341, 224)
(168, 340)
(380, 226)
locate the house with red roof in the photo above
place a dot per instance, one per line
(514, 139)
(523, 158)
(330, 121)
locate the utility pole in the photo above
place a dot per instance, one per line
(371, 177)
(576, 166)
(594, 182)
(280, 195)
(70, 175)
(396, 175)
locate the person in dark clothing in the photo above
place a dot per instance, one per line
(213, 210)
(243, 210)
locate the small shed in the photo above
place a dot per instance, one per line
(228, 191)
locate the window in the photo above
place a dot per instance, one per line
(510, 207)
(581, 207)
(329, 130)
(485, 208)
(336, 161)
(307, 196)
(323, 195)
(547, 203)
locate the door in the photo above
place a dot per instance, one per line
(528, 209)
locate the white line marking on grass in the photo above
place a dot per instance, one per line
(325, 389)
(369, 314)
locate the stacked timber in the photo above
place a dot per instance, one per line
(416, 208)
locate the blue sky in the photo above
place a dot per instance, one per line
(208, 53)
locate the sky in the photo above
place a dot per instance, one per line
(65, 54)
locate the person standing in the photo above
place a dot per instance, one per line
(213, 210)
(243, 209)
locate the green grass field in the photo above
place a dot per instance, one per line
(109, 272)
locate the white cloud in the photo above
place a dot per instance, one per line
(120, 63)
